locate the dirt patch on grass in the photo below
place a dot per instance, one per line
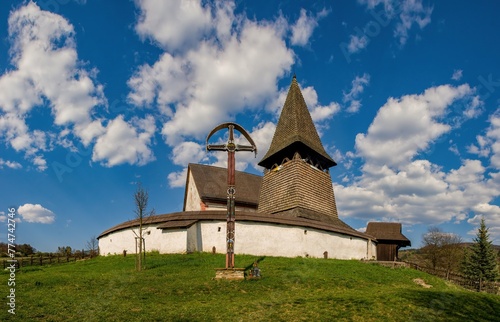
(422, 283)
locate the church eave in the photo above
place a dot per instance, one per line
(288, 151)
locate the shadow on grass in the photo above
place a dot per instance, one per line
(452, 306)
(256, 261)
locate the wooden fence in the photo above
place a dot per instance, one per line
(484, 286)
(40, 260)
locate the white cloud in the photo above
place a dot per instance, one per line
(232, 70)
(188, 152)
(10, 164)
(482, 149)
(177, 179)
(319, 113)
(125, 142)
(149, 82)
(388, 5)
(492, 142)
(89, 131)
(36, 214)
(40, 163)
(173, 24)
(457, 75)
(396, 185)
(356, 43)
(411, 12)
(473, 110)
(403, 127)
(358, 86)
(491, 215)
(488, 145)
(454, 149)
(262, 135)
(224, 68)
(53, 69)
(304, 27)
(405, 13)
(419, 192)
(44, 55)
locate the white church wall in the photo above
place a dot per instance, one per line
(372, 250)
(168, 241)
(193, 200)
(152, 237)
(173, 241)
(292, 241)
(117, 242)
(252, 238)
(213, 234)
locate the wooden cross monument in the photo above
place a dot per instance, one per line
(231, 147)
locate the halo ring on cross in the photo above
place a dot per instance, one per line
(230, 145)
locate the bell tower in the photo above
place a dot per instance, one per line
(297, 181)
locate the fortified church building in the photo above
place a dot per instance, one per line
(290, 211)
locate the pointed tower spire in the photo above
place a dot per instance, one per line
(295, 182)
(296, 132)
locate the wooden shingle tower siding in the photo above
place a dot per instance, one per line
(296, 180)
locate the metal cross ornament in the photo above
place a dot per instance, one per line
(231, 147)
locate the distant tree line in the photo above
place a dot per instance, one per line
(21, 249)
(92, 248)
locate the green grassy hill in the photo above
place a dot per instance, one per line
(182, 288)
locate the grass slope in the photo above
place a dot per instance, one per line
(182, 288)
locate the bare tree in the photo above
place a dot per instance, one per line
(141, 198)
(452, 253)
(432, 245)
(442, 250)
(93, 246)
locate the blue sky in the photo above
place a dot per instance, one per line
(96, 96)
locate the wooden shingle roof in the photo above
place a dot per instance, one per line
(296, 132)
(211, 183)
(387, 231)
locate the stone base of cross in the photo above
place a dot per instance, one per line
(231, 147)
